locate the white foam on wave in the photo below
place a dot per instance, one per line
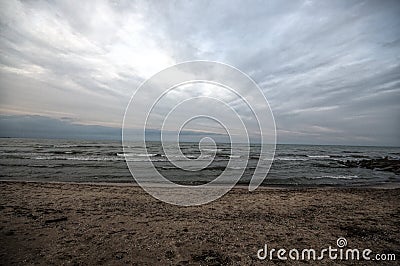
(289, 159)
(235, 168)
(78, 158)
(335, 177)
(211, 150)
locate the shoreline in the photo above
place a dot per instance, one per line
(239, 186)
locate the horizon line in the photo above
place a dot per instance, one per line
(251, 143)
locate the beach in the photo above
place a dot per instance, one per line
(87, 224)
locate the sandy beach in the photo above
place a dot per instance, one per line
(87, 224)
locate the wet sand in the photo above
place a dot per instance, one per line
(84, 224)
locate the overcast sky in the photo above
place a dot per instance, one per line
(329, 69)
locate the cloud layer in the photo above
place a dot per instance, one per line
(330, 69)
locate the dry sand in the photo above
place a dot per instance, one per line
(49, 223)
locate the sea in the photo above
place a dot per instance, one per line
(105, 161)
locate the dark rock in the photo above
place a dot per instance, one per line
(119, 255)
(56, 220)
(382, 164)
(169, 254)
(9, 233)
(211, 257)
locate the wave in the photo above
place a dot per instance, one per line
(64, 152)
(349, 177)
(46, 166)
(283, 154)
(140, 155)
(212, 150)
(290, 159)
(169, 168)
(359, 156)
(235, 168)
(125, 154)
(78, 158)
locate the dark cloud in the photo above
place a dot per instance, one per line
(35, 126)
(44, 127)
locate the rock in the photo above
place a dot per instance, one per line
(120, 255)
(56, 220)
(169, 254)
(9, 233)
(382, 164)
(211, 257)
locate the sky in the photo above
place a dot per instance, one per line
(329, 69)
